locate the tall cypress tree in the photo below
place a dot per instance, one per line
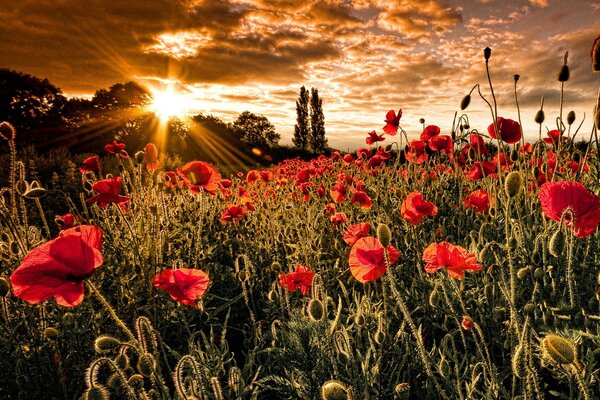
(301, 130)
(318, 141)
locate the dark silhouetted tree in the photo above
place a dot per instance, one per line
(317, 140)
(302, 130)
(119, 95)
(256, 130)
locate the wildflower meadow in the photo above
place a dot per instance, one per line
(460, 264)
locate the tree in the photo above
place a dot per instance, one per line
(121, 95)
(317, 139)
(301, 130)
(256, 130)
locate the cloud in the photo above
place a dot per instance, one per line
(539, 3)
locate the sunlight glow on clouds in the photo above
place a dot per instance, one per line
(178, 44)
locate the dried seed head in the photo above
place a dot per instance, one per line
(105, 343)
(539, 117)
(487, 53)
(384, 234)
(571, 117)
(558, 350)
(465, 102)
(596, 55)
(335, 390)
(315, 309)
(4, 287)
(513, 184)
(557, 243)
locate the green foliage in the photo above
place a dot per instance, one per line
(317, 141)
(302, 127)
(256, 130)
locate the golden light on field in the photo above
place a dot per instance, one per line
(167, 103)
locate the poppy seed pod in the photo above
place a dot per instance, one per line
(465, 102)
(596, 55)
(513, 184)
(516, 77)
(564, 74)
(384, 234)
(335, 390)
(557, 243)
(571, 117)
(539, 117)
(487, 53)
(558, 350)
(315, 309)
(97, 392)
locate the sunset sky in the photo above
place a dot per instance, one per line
(365, 57)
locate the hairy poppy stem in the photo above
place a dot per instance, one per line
(112, 312)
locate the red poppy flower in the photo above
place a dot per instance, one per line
(481, 169)
(429, 132)
(338, 192)
(226, 183)
(198, 175)
(321, 191)
(479, 201)
(184, 285)
(90, 164)
(363, 153)
(151, 157)
(330, 209)
(417, 151)
(348, 158)
(116, 148)
(510, 131)
(109, 191)
(367, 259)
(58, 268)
(467, 323)
(557, 197)
(170, 179)
(301, 279)
(455, 259)
(392, 122)
(233, 213)
(355, 232)
(441, 143)
(554, 136)
(362, 199)
(374, 137)
(338, 218)
(415, 208)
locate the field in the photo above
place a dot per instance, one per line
(444, 270)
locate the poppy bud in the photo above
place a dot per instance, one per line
(275, 266)
(7, 131)
(51, 333)
(379, 337)
(234, 380)
(335, 390)
(539, 117)
(443, 367)
(557, 243)
(522, 272)
(105, 343)
(122, 361)
(384, 234)
(558, 350)
(514, 155)
(97, 392)
(421, 120)
(145, 365)
(4, 287)
(571, 117)
(529, 308)
(401, 388)
(519, 366)
(465, 102)
(563, 75)
(471, 154)
(596, 55)
(513, 184)
(136, 381)
(315, 310)
(516, 77)
(68, 320)
(139, 156)
(359, 319)
(467, 323)
(487, 53)
(34, 191)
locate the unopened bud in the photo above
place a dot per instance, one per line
(539, 117)
(51, 333)
(558, 350)
(315, 309)
(564, 74)
(384, 234)
(571, 117)
(487, 53)
(465, 102)
(557, 243)
(513, 184)
(4, 287)
(596, 55)
(105, 343)
(335, 390)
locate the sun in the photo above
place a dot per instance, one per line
(168, 104)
